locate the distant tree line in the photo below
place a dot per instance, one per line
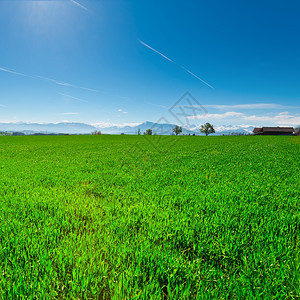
(96, 132)
(4, 133)
(207, 128)
(148, 132)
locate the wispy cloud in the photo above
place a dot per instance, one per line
(107, 124)
(47, 79)
(69, 113)
(250, 106)
(172, 61)
(283, 118)
(122, 111)
(74, 98)
(217, 116)
(79, 5)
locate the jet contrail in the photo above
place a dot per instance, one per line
(48, 79)
(55, 81)
(88, 89)
(79, 5)
(71, 97)
(16, 73)
(184, 68)
(169, 59)
(144, 44)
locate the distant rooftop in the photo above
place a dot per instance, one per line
(278, 129)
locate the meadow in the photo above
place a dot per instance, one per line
(136, 217)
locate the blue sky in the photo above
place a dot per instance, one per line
(119, 62)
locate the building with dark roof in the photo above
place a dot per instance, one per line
(274, 131)
(257, 130)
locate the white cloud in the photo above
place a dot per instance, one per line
(248, 128)
(69, 113)
(108, 124)
(122, 111)
(217, 116)
(249, 106)
(282, 118)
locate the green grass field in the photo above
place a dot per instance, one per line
(134, 217)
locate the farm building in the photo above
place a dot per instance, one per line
(274, 131)
(257, 130)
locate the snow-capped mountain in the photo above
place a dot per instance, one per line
(29, 128)
(167, 129)
(131, 128)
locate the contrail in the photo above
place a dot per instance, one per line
(169, 59)
(16, 73)
(184, 68)
(88, 89)
(144, 44)
(48, 79)
(79, 5)
(66, 84)
(55, 81)
(71, 97)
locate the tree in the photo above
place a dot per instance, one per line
(96, 132)
(177, 129)
(207, 128)
(148, 132)
(139, 131)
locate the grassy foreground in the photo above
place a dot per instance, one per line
(134, 217)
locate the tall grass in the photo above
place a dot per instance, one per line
(110, 217)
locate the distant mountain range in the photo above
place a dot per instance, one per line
(167, 129)
(82, 128)
(31, 128)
